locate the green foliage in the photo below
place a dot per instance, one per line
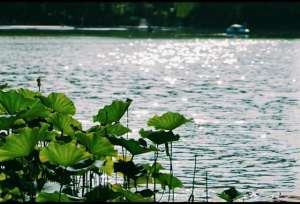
(133, 146)
(19, 145)
(97, 145)
(3, 86)
(52, 197)
(13, 102)
(102, 194)
(63, 154)
(168, 121)
(60, 103)
(113, 112)
(64, 123)
(130, 196)
(159, 137)
(169, 180)
(42, 143)
(7, 122)
(230, 194)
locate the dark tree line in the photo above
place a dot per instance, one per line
(194, 14)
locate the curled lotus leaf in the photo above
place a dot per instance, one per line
(113, 112)
(64, 154)
(13, 102)
(20, 144)
(97, 145)
(159, 137)
(60, 103)
(168, 121)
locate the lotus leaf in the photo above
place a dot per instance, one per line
(64, 123)
(20, 144)
(28, 93)
(63, 154)
(117, 130)
(13, 102)
(7, 122)
(101, 194)
(2, 109)
(159, 137)
(59, 102)
(168, 121)
(133, 146)
(130, 196)
(165, 180)
(37, 110)
(99, 146)
(129, 169)
(230, 194)
(52, 197)
(113, 112)
(108, 166)
(111, 130)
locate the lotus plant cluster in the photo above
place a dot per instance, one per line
(45, 155)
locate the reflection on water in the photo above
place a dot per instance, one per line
(242, 93)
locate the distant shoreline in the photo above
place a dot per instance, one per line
(136, 32)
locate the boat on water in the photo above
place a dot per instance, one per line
(237, 30)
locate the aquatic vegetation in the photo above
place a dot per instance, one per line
(42, 145)
(230, 194)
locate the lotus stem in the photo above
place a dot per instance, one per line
(206, 186)
(191, 198)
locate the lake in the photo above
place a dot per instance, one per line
(242, 93)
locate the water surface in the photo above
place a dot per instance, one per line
(242, 93)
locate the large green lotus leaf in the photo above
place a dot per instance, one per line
(20, 144)
(117, 129)
(168, 121)
(134, 147)
(99, 146)
(230, 194)
(28, 93)
(7, 122)
(52, 197)
(64, 123)
(59, 102)
(111, 130)
(165, 180)
(130, 196)
(159, 137)
(13, 102)
(63, 154)
(113, 112)
(37, 110)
